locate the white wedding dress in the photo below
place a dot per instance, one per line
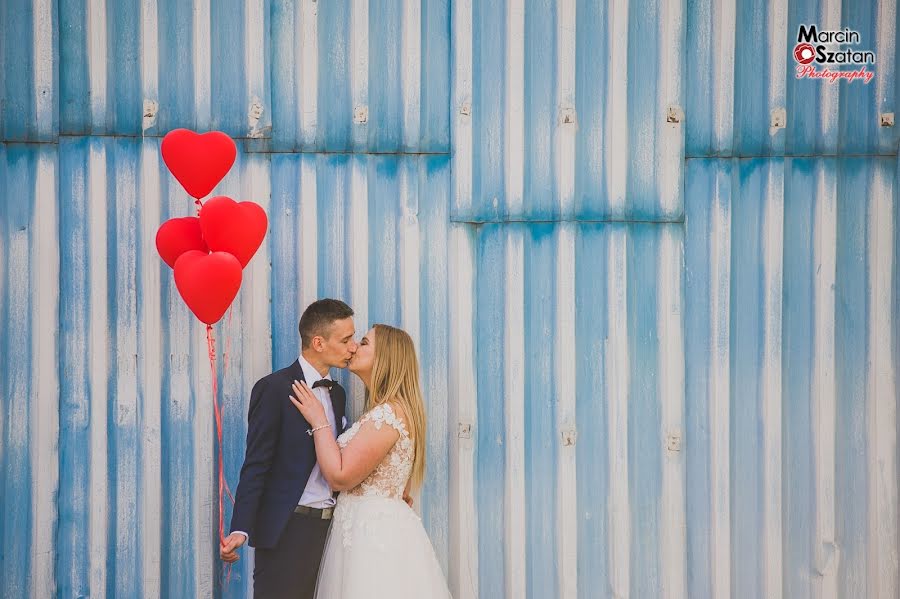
(377, 546)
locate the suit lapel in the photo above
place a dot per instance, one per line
(297, 371)
(338, 404)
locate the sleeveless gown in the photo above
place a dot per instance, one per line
(377, 546)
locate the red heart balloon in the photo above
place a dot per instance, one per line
(177, 236)
(208, 283)
(198, 161)
(236, 228)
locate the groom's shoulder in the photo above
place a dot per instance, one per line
(281, 377)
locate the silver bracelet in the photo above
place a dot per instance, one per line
(310, 431)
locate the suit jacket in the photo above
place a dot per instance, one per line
(280, 457)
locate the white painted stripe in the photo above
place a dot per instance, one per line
(773, 241)
(255, 291)
(671, 396)
(461, 123)
(564, 133)
(45, 92)
(358, 246)
(205, 501)
(516, 566)
(463, 410)
(616, 150)
(98, 350)
(829, 99)
(149, 49)
(97, 61)
(777, 53)
(308, 223)
(359, 69)
(306, 53)
(719, 383)
(566, 485)
(202, 64)
(408, 248)
(44, 412)
(881, 387)
(151, 383)
(618, 377)
(515, 106)
(823, 401)
(259, 119)
(149, 61)
(724, 17)
(885, 94)
(411, 73)
(670, 149)
(124, 403)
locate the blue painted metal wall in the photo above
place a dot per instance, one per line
(652, 276)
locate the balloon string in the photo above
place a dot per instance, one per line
(225, 356)
(211, 349)
(199, 205)
(223, 485)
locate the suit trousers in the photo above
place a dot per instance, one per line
(290, 569)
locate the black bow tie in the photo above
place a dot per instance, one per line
(327, 383)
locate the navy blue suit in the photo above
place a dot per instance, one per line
(279, 459)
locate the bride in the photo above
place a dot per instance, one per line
(377, 546)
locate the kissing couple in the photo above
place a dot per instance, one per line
(327, 506)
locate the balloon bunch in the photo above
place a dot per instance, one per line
(208, 252)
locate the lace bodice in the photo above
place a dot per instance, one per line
(390, 476)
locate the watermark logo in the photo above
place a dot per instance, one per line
(821, 54)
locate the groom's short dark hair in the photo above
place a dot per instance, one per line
(319, 316)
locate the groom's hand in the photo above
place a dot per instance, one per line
(228, 550)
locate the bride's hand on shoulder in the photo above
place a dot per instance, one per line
(307, 404)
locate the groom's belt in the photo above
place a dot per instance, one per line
(314, 512)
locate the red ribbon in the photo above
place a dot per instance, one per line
(223, 484)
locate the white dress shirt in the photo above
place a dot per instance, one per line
(317, 493)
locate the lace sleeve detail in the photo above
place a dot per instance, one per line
(384, 414)
(389, 478)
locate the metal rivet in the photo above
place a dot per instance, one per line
(674, 114)
(673, 442)
(778, 119)
(567, 116)
(887, 119)
(569, 436)
(361, 114)
(465, 430)
(465, 109)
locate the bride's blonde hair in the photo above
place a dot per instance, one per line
(395, 378)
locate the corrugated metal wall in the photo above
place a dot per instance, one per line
(653, 279)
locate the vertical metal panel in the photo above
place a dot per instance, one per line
(30, 418)
(29, 71)
(793, 315)
(740, 71)
(148, 67)
(529, 75)
(348, 76)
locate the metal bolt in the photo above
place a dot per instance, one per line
(465, 109)
(465, 430)
(778, 119)
(569, 436)
(361, 114)
(567, 116)
(887, 119)
(673, 442)
(674, 114)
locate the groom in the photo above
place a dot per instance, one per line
(283, 504)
